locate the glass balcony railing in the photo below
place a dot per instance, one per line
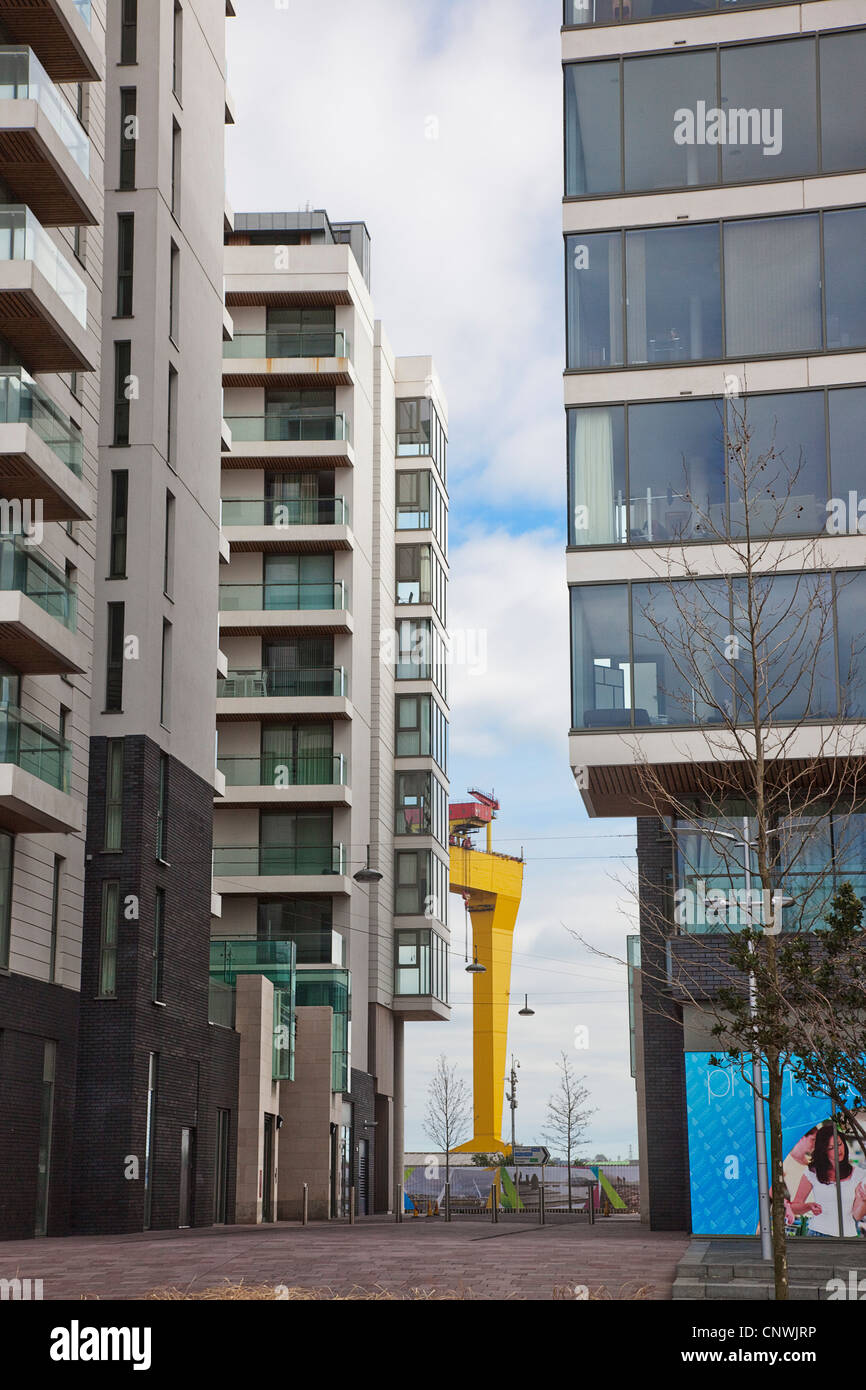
(289, 511)
(84, 9)
(22, 238)
(289, 428)
(280, 681)
(247, 598)
(34, 748)
(253, 861)
(22, 569)
(22, 402)
(288, 342)
(272, 770)
(327, 985)
(23, 78)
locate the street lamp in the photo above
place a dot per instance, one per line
(526, 1012)
(779, 901)
(367, 875)
(475, 968)
(511, 1097)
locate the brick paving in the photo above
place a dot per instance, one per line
(487, 1262)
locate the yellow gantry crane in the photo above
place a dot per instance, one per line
(491, 886)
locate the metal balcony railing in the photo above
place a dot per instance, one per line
(281, 681)
(253, 861)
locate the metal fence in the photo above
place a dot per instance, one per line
(509, 1193)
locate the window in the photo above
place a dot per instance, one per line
(414, 574)
(162, 808)
(46, 1131)
(655, 91)
(850, 607)
(596, 475)
(772, 285)
(125, 260)
(421, 729)
(119, 515)
(173, 294)
(150, 1136)
(175, 169)
(420, 431)
(413, 500)
(168, 546)
(601, 685)
(56, 891)
(306, 921)
(128, 32)
(109, 921)
(421, 805)
(113, 794)
(843, 101)
(421, 885)
(844, 234)
(421, 963)
(781, 80)
(676, 478)
(158, 944)
(128, 137)
(171, 432)
(592, 128)
(114, 658)
(7, 843)
(177, 50)
(165, 675)
(595, 300)
(673, 308)
(122, 392)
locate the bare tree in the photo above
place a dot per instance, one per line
(568, 1115)
(449, 1111)
(758, 790)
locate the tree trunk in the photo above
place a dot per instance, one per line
(777, 1157)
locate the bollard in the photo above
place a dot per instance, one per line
(400, 1203)
(494, 1204)
(448, 1201)
(591, 1192)
(305, 1205)
(541, 1201)
(351, 1206)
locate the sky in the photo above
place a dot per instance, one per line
(440, 126)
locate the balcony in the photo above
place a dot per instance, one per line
(271, 780)
(40, 450)
(248, 870)
(331, 986)
(276, 693)
(59, 30)
(252, 610)
(38, 615)
(421, 975)
(319, 437)
(44, 149)
(43, 302)
(316, 525)
(301, 359)
(34, 777)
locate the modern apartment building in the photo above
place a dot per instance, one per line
(52, 130)
(331, 828)
(714, 219)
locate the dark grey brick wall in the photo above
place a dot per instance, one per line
(197, 1063)
(666, 1155)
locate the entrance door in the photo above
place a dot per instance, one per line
(268, 1171)
(187, 1162)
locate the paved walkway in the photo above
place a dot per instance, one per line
(485, 1262)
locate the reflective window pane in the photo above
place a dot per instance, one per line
(592, 126)
(772, 286)
(676, 471)
(663, 98)
(796, 660)
(845, 274)
(596, 475)
(681, 675)
(778, 456)
(674, 294)
(594, 291)
(847, 435)
(850, 608)
(658, 9)
(843, 101)
(769, 120)
(600, 659)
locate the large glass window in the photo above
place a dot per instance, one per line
(661, 150)
(769, 101)
(595, 299)
(421, 885)
(847, 414)
(596, 475)
(681, 673)
(796, 653)
(113, 794)
(843, 101)
(109, 920)
(601, 672)
(577, 13)
(422, 729)
(850, 610)
(778, 449)
(592, 128)
(421, 963)
(845, 277)
(677, 471)
(420, 805)
(772, 285)
(674, 294)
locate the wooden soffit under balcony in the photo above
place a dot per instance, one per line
(57, 34)
(284, 375)
(36, 175)
(286, 299)
(46, 336)
(623, 790)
